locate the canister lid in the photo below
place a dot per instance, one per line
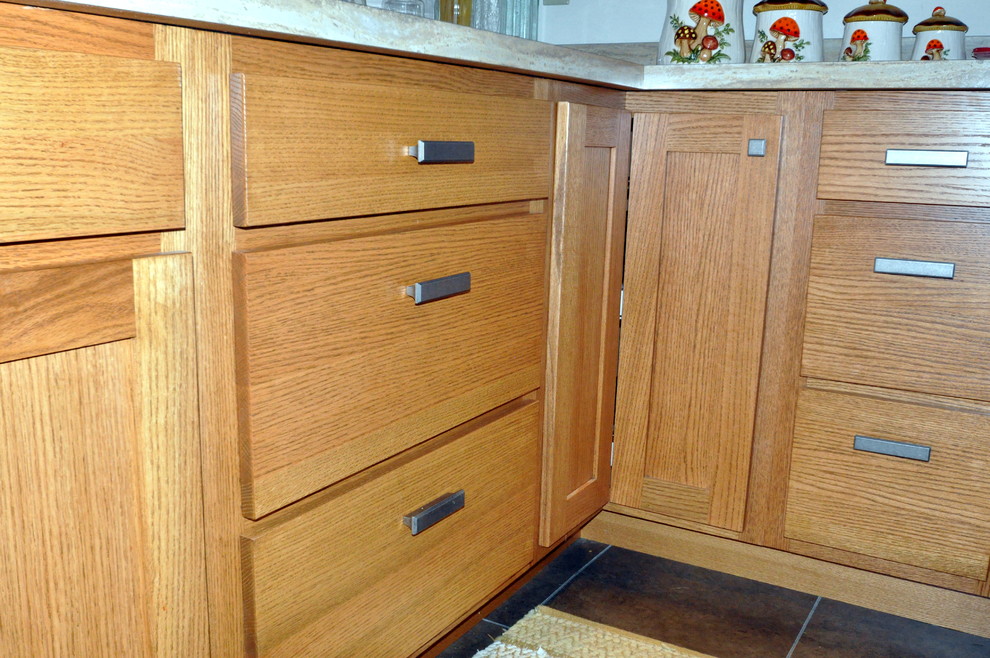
(877, 10)
(774, 5)
(939, 21)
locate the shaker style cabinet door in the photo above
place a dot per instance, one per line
(700, 225)
(589, 213)
(99, 462)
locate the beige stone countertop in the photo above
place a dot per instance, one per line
(343, 24)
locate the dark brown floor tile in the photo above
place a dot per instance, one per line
(840, 630)
(476, 639)
(695, 608)
(545, 583)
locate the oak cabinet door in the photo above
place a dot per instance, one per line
(592, 169)
(700, 227)
(102, 527)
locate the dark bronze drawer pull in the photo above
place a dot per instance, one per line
(929, 269)
(434, 289)
(434, 512)
(442, 152)
(923, 158)
(893, 448)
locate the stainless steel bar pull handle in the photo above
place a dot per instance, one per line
(434, 289)
(923, 158)
(925, 268)
(427, 152)
(434, 512)
(893, 448)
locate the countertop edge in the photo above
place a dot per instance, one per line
(346, 25)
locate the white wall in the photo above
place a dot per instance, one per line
(633, 21)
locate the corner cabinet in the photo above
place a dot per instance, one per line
(588, 237)
(702, 211)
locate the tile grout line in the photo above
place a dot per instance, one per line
(562, 586)
(804, 627)
(574, 575)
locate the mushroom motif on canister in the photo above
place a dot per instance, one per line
(706, 12)
(934, 50)
(683, 37)
(783, 32)
(860, 40)
(707, 40)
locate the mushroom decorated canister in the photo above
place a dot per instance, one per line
(940, 38)
(794, 30)
(873, 33)
(702, 32)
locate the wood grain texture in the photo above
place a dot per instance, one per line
(706, 276)
(92, 145)
(933, 605)
(667, 519)
(205, 61)
(854, 146)
(49, 29)
(780, 364)
(877, 565)
(913, 101)
(57, 309)
(928, 514)
(73, 576)
(277, 58)
(691, 101)
(583, 335)
(167, 422)
(99, 476)
(675, 499)
(368, 595)
(634, 382)
(58, 253)
(904, 211)
(339, 369)
(904, 332)
(271, 237)
(309, 149)
(571, 92)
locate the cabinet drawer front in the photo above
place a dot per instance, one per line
(931, 514)
(91, 145)
(305, 149)
(347, 577)
(340, 368)
(906, 157)
(900, 304)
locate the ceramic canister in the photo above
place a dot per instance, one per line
(873, 33)
(702, 31)
(788, 31)
(940, 37)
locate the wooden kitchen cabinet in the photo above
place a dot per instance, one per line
(700, 226)
(99, 479)
(588, 240)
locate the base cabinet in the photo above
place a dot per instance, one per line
(700, 226)
(99, 475)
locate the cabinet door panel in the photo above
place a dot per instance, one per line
(585, 284)
(701, 220)
(99, 471)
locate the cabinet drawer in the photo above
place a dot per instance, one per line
(903, 326)
(950, 152)
(306, 149)
(927, 514)
(339, 368)
(346, 577)
(91, 145)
